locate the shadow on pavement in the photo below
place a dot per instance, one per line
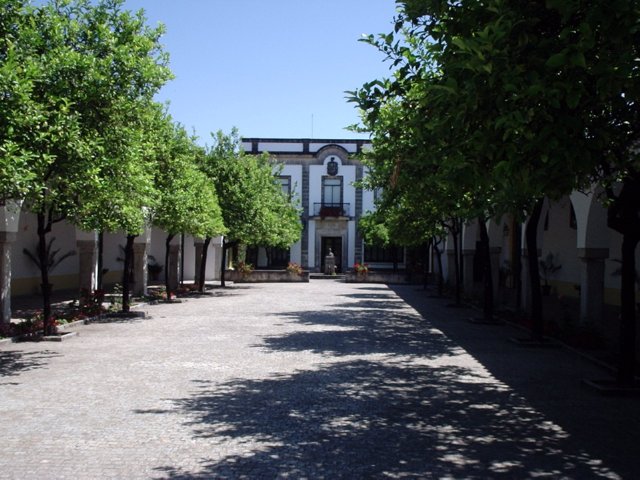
(13, 362)
(412, 404)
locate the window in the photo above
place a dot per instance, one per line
(377, 194)
(391, 254)
(332, 191)
(278, 257)
(285, 184)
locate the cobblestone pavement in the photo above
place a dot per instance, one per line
(320, 380)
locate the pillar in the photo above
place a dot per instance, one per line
(450, 278)
(87, 245)
(140, 270)
(9, 221)
(467, 270)
(592, 284)
(526, 279)
(6, 240)
(140, 258)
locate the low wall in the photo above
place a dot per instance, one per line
(383, 277)
(264, 276)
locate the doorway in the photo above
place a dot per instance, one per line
(335, 244)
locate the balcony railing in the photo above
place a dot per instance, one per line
(331, 210)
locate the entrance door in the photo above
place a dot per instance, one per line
(335, 244)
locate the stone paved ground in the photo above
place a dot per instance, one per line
(319, 380)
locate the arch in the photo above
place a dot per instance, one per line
(591, 219)
(470, 234)
(340, 153)
(495, 230)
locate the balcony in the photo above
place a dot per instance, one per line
(324, 210)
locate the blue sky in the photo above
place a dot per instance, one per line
(271, 68)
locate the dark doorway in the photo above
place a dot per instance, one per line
(335, 244)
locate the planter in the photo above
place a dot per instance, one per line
(266, 276)
(380, 277)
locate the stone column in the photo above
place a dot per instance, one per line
(140, 271)
(450, 278)
(467, 270)
(592, 284)
(304, 259)
(87, 244)
(526, 280)
(9, 222)
(198, 243)
(6, 240)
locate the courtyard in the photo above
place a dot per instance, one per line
(317, 380)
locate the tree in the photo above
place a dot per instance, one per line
(254, 208)
(86, 70)
(188, 202)
(537, 99)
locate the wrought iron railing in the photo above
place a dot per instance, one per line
(331, 209)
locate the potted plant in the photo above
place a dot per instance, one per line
(361, 269)
(548, 268)
(294, 269)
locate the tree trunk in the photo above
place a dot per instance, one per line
(517, 263)
(43, 228)
(182, 259)
(100, 259)
(487, 275)
(167, 255)
(456, 262)
(203, 264)
(623, 216)
(534, 271)
(627, 364)
(223, 262)
(425, 265)
(126, 275)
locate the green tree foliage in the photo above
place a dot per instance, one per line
(79, 77)
(187, 198)
(254, 208)
(512, 102)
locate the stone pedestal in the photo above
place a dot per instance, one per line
(329, 264)
(6, 240)
(592, 284)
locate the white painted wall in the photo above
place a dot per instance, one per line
(27, 237)
(278, 147)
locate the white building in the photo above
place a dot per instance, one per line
(320, 175)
